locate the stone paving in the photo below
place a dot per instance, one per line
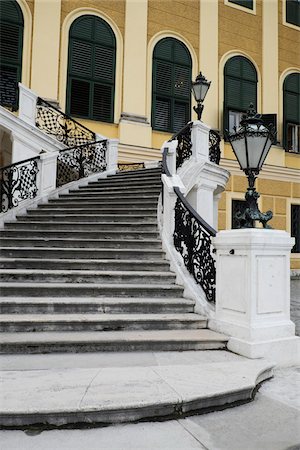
(295, 303)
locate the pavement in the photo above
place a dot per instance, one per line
(295, 303)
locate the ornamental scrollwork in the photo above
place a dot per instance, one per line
(184, 147)
(82, 161)
(62, 127)
(193, 242)
(214, 146)
(18, 182)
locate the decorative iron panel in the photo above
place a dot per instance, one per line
(61, 126)
(194, 244)
(81, 161)
(18, 182)
(131, 166)
(214, 146)
(184, 147)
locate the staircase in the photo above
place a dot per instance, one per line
(86, 272)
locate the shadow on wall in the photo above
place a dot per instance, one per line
(5, 147)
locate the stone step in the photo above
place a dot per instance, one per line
(79, 195)
(109, 305)
(85, 210)
(99, 218)
(133, 176)
(123, 183)
(79, 243)
(74, 234)
(110, 341)
(19, 323)
(20, 289)
(91, 254)
(116, 190)
(112, 394)
(136, 172)
(82, 226)
(86, 276)
(84, 264)
(114, 202)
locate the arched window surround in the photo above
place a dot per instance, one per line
(71, 17)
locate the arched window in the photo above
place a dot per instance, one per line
(291, 113)
(171, 93)
(240, 89)
(11, 45)
(91, 69)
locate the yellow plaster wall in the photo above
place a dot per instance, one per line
(241, 30)
(113, 8)
(288, 42)
(178, 16)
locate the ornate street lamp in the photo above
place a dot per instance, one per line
(200, 88)
(251, 143)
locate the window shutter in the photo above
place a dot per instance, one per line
(246, 3)
(291, 103)
(91, 69)
(171, 85)
(11, 46)
(240, 86)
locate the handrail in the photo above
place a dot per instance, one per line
(82, 145)
(182, 130)
(165, 169)
(41, 100)
(211, 231)
(20, 162)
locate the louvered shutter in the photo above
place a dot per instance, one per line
(240, 86)
(91, 69)
(293, 12)
(291, 103)
(11, 46)
(171, 85)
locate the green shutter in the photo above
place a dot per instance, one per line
(293, 12)
(91, 69)
(240, 86)
(171, 83)
(245, 3)
(291, 103)
(11, 47)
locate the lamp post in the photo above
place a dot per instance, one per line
(199, 89)
(251, 143)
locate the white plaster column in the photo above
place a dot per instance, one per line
(112, 155)
(269, 57)
(204, 200)
(253, 294)
(200, 140)
(45, 48)
(27, 104)
(209, 58)
(134, 125)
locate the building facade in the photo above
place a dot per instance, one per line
(123, 68)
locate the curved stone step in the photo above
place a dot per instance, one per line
(20, 289)
(86, 276)
(99, 322)
(99, 218)
(83, 209)
(84, 264)
(126, 394)
(77, 234)
(109, 305)
(81, 226)
(81, 253)
(67, 242)
(108, 341)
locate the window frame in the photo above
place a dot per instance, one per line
(284, 17)
(241, 8)
(92, 81)
(286, 122)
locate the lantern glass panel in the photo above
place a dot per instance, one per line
(239, 148)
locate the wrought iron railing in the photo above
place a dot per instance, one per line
(192, 239)
(214, 146)
(18, 182)
(81, 161)
(62, 127)
(184, 147)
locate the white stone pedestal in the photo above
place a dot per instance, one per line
(253, 294)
